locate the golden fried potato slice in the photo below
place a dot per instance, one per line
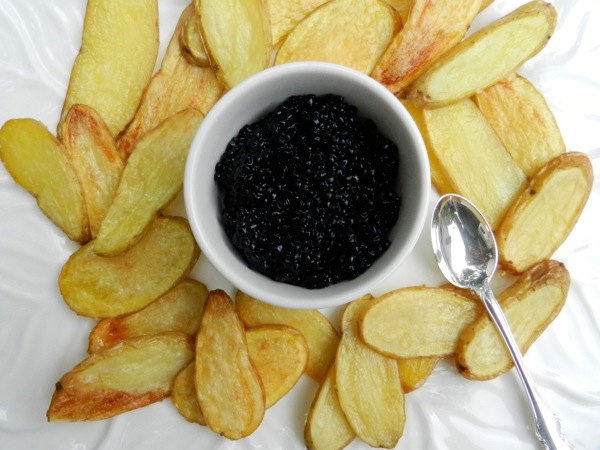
(518, 112)
(237, 35)
(326, 425)
(228, 386)
(415, 371)
(179, 309)
(486, 56)
(321, 337)
(286, 14)
(530, 305)
(184, 395)
(38, 162)
(353, 33)
(402, 8)
(96, 160)
(368, 385)
(117, 57)
(416, 322)
(280, 354)
(151, 180)
(542, 217)
(177, 86)
(431, 29)
(99, 286)
(473, 158)
(130, 375)
(190, 40)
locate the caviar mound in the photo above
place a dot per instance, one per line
(308, 192)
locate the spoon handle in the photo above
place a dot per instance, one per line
(548, 426)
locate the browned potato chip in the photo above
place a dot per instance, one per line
(530, 305)
(321, 336)
(237, 35)
(38, 162)
(127, 376)
(368, 385)
(431, 28)
(286, 14)
(520, 115)
(326, 425)
(228, 386)
(279, 353)
(118, 52)
(96, 160)
(177, 86)
(415, 371)
(486, 56)
(152, 178)
(542, 217)
(353, 33)
(417, 322)
(184, 395)
(473, 158)
(180, 309)
(99, 286)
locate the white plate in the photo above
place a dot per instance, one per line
(40, 338)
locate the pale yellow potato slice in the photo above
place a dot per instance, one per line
(518, 112)
(152, 178)
(118, 53)
(286, 14)
(237, 35)
(99, 286)
(486, 56)
(228, 386)
(530, 305)
(326, 426)
(352, 33)
(415, 371)
(473, 158)
(179, 309)
(416, 322)
(184, 395)
(96, 160)
(368, 385)
(178, 85)
(402, 8)
(321, 337)
(431, 28)
(122, 378)
(38, 162)
(191, 42)
(542, 217)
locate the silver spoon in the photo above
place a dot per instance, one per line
(466, 251)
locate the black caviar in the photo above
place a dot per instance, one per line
(308, 192)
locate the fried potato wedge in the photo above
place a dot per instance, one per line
(518, 112)
(228, 386)
(530, 305)
(286, 14)
(353, 33)
(415, 371)
(179, 309)
(237, 35)
(486, 57)
(178, 85)
(151, 180)
(542, 217)
(326, 426)
(190, 40)
(280, 354)
(321, 337)
(184, 395)
(427, 34)
(99, 286)
(368, 385)
(473, 158)
(39, 163)
(118, 53)
(96, 160)
(416, 322)
(130, 375)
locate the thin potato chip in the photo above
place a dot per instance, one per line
(415, 371)
(99, 286)
(191, 41)
(184, 395)
(286, 14)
